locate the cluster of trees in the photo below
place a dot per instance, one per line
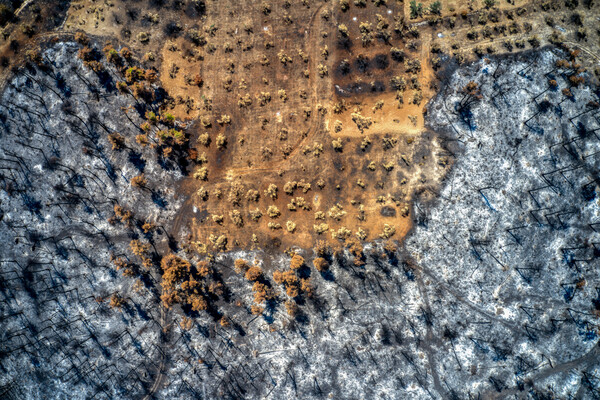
(295, 281)
(6, 14)
(191, 286)
(573, 69)
(263, 292)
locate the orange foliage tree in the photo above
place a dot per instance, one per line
(296, 262)
(321, 264)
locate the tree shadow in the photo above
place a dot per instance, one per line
(328, 275)
(158, 199)
(136, 159)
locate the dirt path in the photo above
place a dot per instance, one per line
(163, 358)
(25, 4)
(585, 49)
(584, 362)
(429, 340)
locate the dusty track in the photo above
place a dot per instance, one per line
(25, 4)
(163, 358)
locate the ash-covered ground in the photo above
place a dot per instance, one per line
(492, 295)
(510, 248)
(60, 184)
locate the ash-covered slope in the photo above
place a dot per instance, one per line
(510, 248)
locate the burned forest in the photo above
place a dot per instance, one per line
(299, 199)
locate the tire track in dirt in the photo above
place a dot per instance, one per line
(163, 358)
